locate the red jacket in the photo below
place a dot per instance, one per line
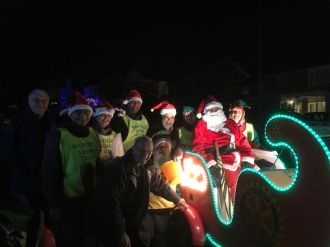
(230, 133)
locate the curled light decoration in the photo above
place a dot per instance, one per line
(212, 241)
(273, 185)
(304, 125)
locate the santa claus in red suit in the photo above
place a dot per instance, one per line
(235, 150)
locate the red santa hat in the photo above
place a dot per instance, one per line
(208, 103)
(132, 95)
(103, 107)
(165, 108)
(79, 103)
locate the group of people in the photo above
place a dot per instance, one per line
(103, 176)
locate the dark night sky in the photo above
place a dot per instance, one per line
(45, 41)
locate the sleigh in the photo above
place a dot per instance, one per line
(282, 207)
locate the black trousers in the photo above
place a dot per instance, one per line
(70, 229)
(38, 205)
(160, 218)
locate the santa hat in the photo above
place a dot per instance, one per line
(208, 103)
(64, 111)
(165, 108)
(79, 103)
(132, 95)
(104, 107)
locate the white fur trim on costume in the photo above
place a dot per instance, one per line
(199, 115)
(165, 111)
(235, 165)
(79, 107)
(211, 163)
(255, 167)
(125, 102)
(103, 110)
(213, 104)
(228, 132)
(248, 159)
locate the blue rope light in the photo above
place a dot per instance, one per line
(305, 126)
(274, 186)
(212, 240)
(215, 203)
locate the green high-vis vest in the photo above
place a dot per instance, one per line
(249, 132)
(136, 128)
(186, 138)
(79, 157)
(106, 145)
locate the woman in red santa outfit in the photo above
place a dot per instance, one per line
(237, 113)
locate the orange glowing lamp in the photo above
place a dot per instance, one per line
(194, 176)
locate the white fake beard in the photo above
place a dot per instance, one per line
(215, 120)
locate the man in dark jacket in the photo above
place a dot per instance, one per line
(119, 204)
(23, 150)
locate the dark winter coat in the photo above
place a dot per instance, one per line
(23, 149)
(120, 201)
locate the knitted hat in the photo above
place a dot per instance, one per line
(79, 103)
(132, 95)
(165, 108)
(188, 108)
(240, 104)
(208, 103)
(104, 107)
(160, 137)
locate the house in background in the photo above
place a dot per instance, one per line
(303, 91)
